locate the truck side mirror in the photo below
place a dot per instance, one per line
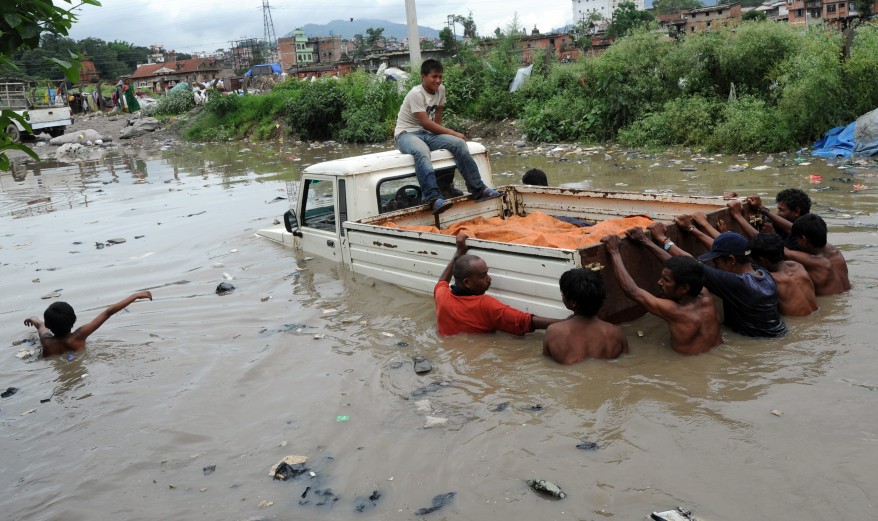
(291, 223)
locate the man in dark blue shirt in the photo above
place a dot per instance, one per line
(748, 292)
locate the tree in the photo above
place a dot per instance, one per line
(447, 38)
(625, 18)
(469, 25)
(662, 7)
(21, 24)
(754, 15)
(584, 29)
(864, 9)
(360, 46)
(373, 35)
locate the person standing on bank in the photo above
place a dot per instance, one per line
(419, 130)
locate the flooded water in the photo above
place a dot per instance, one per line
(306, 358)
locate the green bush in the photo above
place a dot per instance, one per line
(371, 107)
(749, 125)
(172, 103)
(683, 121)
(861, 71)
(316, 113)
(811, 94)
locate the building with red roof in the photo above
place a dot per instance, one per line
(160, 77)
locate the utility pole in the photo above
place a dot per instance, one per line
(453, 28)
(414, 39)
(269, 36)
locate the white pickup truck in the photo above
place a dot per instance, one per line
(342, 208)
(51, 116)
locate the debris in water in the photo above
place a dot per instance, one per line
(115, 241)
(31, 411)
(54, 294)
(678, 514)
(9, 392)
(208, 470)
(224, 288)
(432, 388)
(546, 487)
(422, 365)
(264, 504)
(361, 503)
(777, 412)
(435, 421)
(24, 353)
(289, 467)
(390, 335)
(438, 502)
(501, 406)
(342, 418)
(587, 445)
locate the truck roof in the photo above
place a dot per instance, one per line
(383, 161)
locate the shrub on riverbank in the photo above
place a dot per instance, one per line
(762, 86)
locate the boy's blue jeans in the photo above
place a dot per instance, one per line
(420, 143)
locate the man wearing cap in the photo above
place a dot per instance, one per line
(749, 294)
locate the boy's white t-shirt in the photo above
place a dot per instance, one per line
(418, 100)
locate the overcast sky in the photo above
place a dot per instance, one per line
(205, 25)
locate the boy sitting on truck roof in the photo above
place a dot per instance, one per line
(464, 307)
(583, 335)
(419, 130)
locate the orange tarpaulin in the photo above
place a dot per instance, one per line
(536, 229)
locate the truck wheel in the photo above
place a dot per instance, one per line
(55, 131)
(13, 133)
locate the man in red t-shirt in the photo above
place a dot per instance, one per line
(464, 307)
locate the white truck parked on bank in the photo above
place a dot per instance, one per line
(342, 208)
(50, 115)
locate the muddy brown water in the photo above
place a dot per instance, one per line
(306, 358)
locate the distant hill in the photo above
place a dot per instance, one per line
(347, 29)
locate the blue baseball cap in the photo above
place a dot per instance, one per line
(727, 243)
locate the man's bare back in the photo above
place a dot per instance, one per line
(795, 290)
(579, 338)
(826, 267)
(694, 323)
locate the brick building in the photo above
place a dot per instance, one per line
(803, 12)
(709, 18)
(160, 77)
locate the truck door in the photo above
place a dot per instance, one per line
(320, 222)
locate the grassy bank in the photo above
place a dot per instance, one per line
(762, 87)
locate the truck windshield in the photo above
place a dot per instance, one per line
(319, 205)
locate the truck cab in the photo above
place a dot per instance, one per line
(50, 114)
(355, 188)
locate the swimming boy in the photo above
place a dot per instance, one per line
(419, 130)
(685, 304)
(825, 263)
(55, 333)
(464, 307)
(583, 335)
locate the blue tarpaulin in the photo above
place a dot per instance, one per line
(838, 142)
(265, 68)
(858, 139)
